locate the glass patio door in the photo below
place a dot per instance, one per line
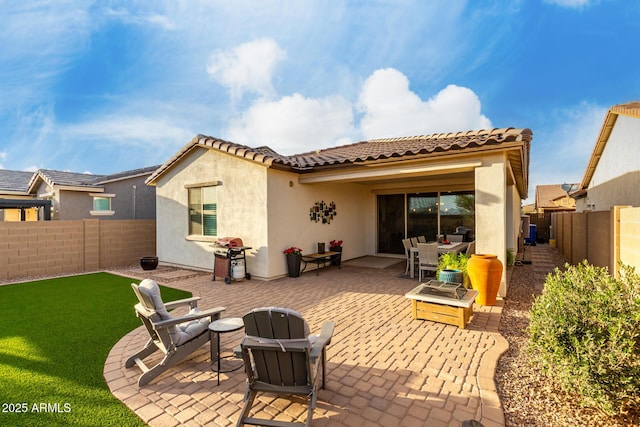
(390, 223)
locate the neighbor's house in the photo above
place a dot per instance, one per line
(71, 196)
(553, 198)
(612, 176)
(383, 190)
(16, 204)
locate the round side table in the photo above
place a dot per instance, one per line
(219, 327)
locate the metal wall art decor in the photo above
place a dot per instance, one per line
(322, 211)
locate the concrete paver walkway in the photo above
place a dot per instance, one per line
(383, 368)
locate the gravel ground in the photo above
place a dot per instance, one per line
(528, 397)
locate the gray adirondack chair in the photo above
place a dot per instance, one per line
(280, 357)
(176, 337)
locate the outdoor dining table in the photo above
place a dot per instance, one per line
(443, 248)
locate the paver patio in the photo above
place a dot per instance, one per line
(383, 368)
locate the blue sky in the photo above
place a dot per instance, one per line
(108, 86)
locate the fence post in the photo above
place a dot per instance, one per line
(615, 239)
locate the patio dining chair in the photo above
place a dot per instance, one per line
(422, 239)
(427, 258)
(455, 238)
(471, 249)
(406, 243)
(175, 336)
(281, 358)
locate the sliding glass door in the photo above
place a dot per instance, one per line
(390, 223)
(421, 214)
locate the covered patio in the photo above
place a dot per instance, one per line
(383, 368)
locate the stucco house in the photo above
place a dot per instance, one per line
(553, 198)
(382, 191)
(16, 204)
(51, 194)
(612, 176)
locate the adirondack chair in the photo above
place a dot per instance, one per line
(176, 337)
(280, 357)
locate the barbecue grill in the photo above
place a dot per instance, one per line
(230, 259)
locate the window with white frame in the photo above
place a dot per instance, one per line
(101, 204)
(203, 216)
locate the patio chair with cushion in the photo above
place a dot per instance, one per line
(455, 238)
(176, 337)
(471, 249)
(280, 357)
(427, 258)
(407, 253)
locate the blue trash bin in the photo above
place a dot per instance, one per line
(532, 234)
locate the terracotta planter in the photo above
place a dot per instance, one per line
(485, 273)
(293, 264)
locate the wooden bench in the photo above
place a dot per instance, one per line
(320, 260)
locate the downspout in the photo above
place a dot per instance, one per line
(133, 202)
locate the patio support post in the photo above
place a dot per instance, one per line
(491, 211)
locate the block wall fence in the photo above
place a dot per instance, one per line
(47, 248)
(601, 237)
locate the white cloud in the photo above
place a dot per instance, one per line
(294, 123)
(392, 109)
(129, 17)
(247, 67)
(577, 4)
(127, 130)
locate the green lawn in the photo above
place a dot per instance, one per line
(55, 335)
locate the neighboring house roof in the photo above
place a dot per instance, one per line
(14, 182)
(367, 151)
(547, 195)
(126, 175)
(631, 109)
(82, 181)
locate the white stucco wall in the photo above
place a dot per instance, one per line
(492, 206)
(242, 209)
(615, 180)
(289, 223)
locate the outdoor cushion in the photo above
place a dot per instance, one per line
(182, 332)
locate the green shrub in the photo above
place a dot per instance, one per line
(585, 334)
(452, 260)
(511, 257)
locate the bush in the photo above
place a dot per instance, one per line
(454, 261)
(585, 334)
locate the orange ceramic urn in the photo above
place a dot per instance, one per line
(485, 273)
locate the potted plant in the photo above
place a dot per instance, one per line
(294, 259)
(454, 267)
(336, 246)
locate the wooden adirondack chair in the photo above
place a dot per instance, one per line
(176, 337)
(280, 357)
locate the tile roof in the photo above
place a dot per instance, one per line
(546, 195)
(14, 181)
(55, 177)
(360, 152)
(126, 174)
(74, 179)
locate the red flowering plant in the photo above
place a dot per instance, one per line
(293, 251)
(335, 243)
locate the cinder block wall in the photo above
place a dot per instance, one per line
(630, 237)
(601, 237)
(45, 248)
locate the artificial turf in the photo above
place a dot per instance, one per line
(55, 336)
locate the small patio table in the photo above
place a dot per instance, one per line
(318, 259)
(440, 307)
